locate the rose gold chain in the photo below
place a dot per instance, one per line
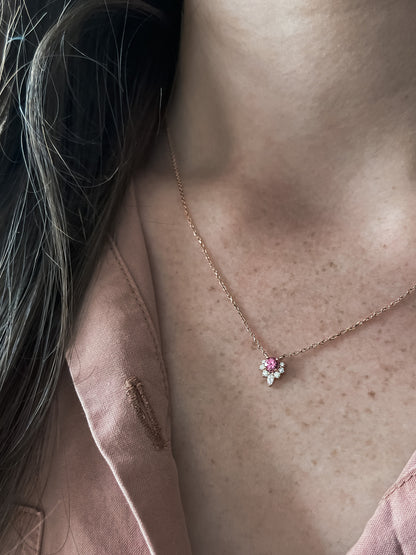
(231, 297)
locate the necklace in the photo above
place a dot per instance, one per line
(272, 367)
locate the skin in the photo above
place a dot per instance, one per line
(293, 126)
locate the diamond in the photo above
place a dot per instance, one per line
(265, 373)
(270, 379)
(277, 374)
(262, 366)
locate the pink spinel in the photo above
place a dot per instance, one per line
(271, 363)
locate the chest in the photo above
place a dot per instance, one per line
(298, 467)
(302, 464)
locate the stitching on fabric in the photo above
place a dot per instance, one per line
(394, 487)
(140, 303)
(138, 398)
(27, 509)
(35, 534)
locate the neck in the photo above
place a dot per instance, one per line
(314, 107)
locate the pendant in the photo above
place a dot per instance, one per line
(272, 369)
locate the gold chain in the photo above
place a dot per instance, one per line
(231, 298)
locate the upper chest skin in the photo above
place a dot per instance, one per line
(298, 467)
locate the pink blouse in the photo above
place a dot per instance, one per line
(112, 483)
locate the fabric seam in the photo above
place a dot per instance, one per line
(399, 484)
(134, 289)
(35, 534)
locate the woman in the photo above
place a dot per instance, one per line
(135, 416)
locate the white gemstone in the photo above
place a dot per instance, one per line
(262, 366)
(265, 373)
(270, 379)
(281, 370)
(263, 361)
(277, 374)
(281, 364)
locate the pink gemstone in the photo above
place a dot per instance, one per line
(271, 363)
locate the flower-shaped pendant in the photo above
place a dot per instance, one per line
(272, 369)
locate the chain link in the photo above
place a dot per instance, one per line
(231, 298)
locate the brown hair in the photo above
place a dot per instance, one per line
(80, 108)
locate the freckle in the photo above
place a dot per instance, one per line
(322, 374)
(369, 442)
(403, 349)
(343, 394)
(316, 272)
(288, 412)
(314, 462)
(372, 394)
(212, 288)
(384, 246)
(270, 491)
(366, 376)
(334, 452)
(305, 424)
(321, 402)
(212, 461)
(323, 269)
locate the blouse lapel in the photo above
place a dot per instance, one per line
(119, 376)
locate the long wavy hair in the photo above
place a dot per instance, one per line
(80, 109)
